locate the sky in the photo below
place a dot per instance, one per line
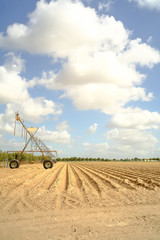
(85, 72)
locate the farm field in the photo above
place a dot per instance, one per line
(81, 200)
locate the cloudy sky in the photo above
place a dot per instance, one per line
(85, 72)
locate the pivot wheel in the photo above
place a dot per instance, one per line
(47, 164)
(14, 164)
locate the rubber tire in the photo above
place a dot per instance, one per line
(14, 164)
(47, 164)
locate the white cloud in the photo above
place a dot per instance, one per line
(62, 126)
(131, 143)
(86, 144)
(92, 129)
(135, 119)
(149, 40)
(34, 109)
(97, 150)
(124, 143)
(50, 24)
(53, 22)
(99, 70)
(99, 67)
(14, 63)
(59, 136)
(12, 86)
(132, 134)
(132, 137)
(5, 125)
(105, 6)
(11, 144)
(136, 52)
(152, 4)
(108, 98)
(7, 129)
(14, 92)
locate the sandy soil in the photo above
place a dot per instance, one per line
(112, 201)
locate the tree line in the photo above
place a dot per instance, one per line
(31, 158)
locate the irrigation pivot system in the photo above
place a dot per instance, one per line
(49, 157)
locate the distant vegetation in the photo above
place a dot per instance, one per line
(26, 157)
(78, 159)
(31, 158)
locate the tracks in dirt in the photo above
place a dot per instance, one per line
(72, 185)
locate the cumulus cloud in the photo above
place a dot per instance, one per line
(135, 118)
(105, 6)
(34, 109)
(12, 86)
(149, 40)
(107, 98)
(62, 126)
(60, 135)
(137, 50)
(99, 60)
(96, 150)
(11, 144)
(86, 144)
(92, 129)
(14, 63)
(55, 21)
(5, 126)
(14, 92)
(99, 67)
(124, 143)
(131, 137)
(132, 132)
(131, 142)
(151, 4)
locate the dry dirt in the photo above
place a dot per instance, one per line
(113, 201)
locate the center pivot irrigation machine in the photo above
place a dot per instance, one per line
(49, 157)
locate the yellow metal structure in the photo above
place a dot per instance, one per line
(32, 129)
(47, 154)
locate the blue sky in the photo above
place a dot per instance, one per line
(85, 72)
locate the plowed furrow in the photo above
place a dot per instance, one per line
(61, 187)
(107, 182)
(11, 174)
(80, 187)
(136, 173)
(144, 175)
(16, 179)
(10, 188)
(131, 179)
(90, 180)
(118, 174)
(27, 186)
(49, 182)
(26, 201)
(134, 179)
(62, 179)
(64, 193)
(67, 179)
(70, 199)
(45, 183)
(20, 204)
(108, 194)
(149, 172)
(110, 180)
